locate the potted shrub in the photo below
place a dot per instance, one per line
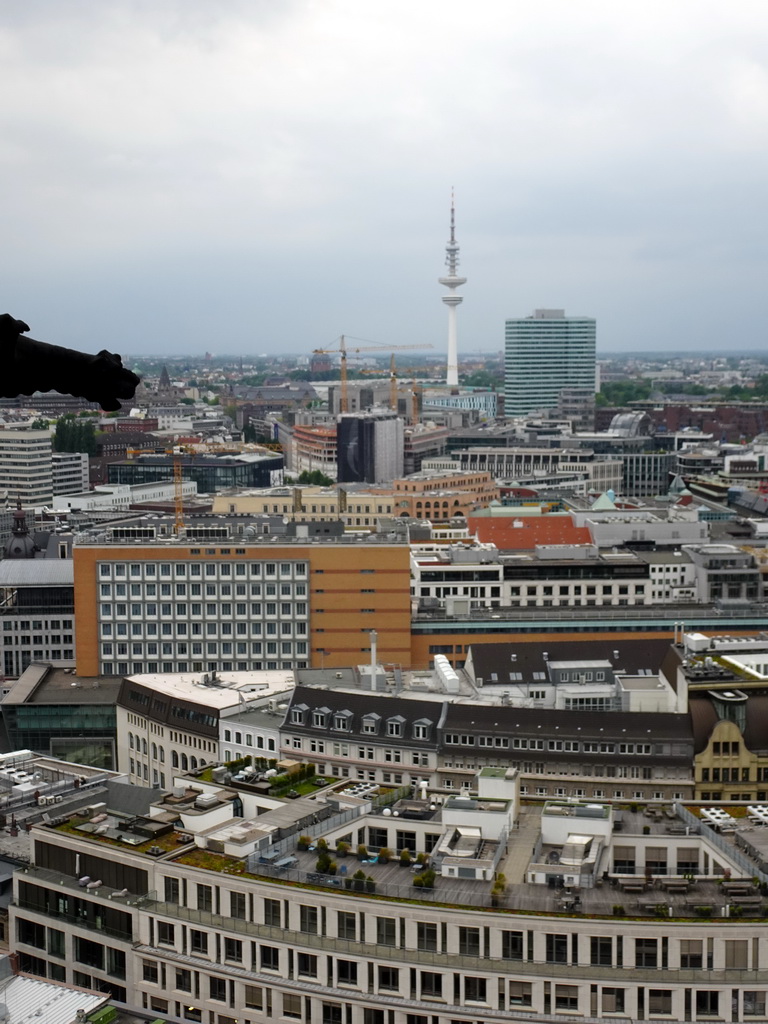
(342, 848)
(370, 884)
(323, 862)
(422, 859)
(646, 830)
(362, 852)
(498, 889)
(303, 842)
(385, 855)
(618, 910)
(322, 845)
(405, 859)
(358, 880)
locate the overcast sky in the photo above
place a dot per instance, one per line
(254, 176)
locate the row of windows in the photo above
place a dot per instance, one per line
(525, 743)
(211, 648)
(27, 641)
(124, 668)
(390, 755)
(248, 739)
(25, 625)
(212, 629)
(221, 609)
(524, 945)
(341, 721)
(152, 590)
(152, 570)
(609, 999)
(725, 775)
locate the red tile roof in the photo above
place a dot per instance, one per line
(525, 532)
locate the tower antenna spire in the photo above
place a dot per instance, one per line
(452, 281)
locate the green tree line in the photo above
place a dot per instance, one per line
(74, 434)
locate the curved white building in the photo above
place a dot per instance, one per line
(211, 909)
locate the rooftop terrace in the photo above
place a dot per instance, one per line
(726, 889)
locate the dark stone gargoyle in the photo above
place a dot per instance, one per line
(27, 366)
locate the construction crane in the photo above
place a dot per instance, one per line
(191, 448)
(343, 350)
(392, 381)
(178, 480)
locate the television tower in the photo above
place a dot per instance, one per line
(452, 300)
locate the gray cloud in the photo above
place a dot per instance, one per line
(254, 176)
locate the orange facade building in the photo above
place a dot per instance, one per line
(176, 606)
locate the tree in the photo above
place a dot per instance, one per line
(314, 479)
(621, 392)
(74, 434)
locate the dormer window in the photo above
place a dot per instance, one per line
(342, 721)
(298, 714)
(395, 726)
(421, 729)
(371, 724)
(320, 717)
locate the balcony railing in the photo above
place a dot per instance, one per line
(474, 964)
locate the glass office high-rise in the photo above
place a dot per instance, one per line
(543, 354)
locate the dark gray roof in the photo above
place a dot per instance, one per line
(634, 656)
(40, 683)
(128, 799)
(360, 705)
(547, 723)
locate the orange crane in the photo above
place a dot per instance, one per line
(343, 350)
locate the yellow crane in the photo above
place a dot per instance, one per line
(178, 480)
(191, 448)
(342, 349)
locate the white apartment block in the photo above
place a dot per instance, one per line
(26, 473)
(122, 496)
(544, 465)
(253, 733)
(673, 576)
(172, 722)
(70, 472)
(554, 576)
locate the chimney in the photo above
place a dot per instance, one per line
(374, 657)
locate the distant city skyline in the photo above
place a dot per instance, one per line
(251, 178)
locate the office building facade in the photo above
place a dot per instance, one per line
(545, 354)
(239, 603)
(26, 473)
